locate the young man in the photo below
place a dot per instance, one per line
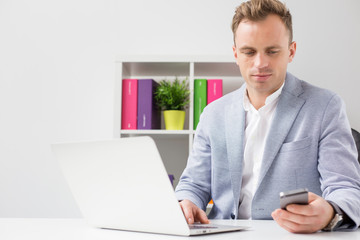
(276, 133)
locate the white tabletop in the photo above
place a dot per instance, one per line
(69, 229)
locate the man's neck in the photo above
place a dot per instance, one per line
(256, 99)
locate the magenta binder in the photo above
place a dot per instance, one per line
(129, 104)
(214, 89)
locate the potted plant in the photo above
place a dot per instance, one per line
(173, 98)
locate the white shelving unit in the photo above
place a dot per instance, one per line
(174, 146)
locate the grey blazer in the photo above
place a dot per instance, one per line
(309, 145)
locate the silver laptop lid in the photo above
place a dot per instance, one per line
(122, 184)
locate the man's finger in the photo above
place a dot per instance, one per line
(188, 212)
(307, 210)
(292, 222)
(312, 197)
(202, 217)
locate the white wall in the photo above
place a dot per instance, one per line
(57, 74)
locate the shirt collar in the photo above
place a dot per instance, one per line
(274, 96)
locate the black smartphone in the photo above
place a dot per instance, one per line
(298, 196)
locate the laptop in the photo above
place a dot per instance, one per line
(122, 184)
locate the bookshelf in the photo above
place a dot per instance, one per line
(174, 146)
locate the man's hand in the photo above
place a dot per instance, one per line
(192, 213)
(305, 218)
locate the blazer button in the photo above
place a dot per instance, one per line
(232, 216)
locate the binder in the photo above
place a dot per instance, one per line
(148, 116)
(200, 99)
(214, 89)
(129, 104)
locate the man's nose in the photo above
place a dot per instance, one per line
(261, 61)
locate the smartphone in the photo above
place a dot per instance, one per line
(298, 196)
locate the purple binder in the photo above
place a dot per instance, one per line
(148, 113)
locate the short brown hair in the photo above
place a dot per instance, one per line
(257, 10)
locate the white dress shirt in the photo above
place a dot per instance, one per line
(257, 127)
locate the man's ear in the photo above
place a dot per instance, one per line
(292, 50)
(235, 54)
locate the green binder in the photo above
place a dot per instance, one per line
(200, 95)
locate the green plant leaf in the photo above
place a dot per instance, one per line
(172, 95)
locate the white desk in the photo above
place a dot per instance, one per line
(77, 229)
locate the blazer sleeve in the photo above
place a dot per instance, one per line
(337, 161)
(195, 182)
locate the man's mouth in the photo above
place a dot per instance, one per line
(261, 76)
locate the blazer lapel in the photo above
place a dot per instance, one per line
(288, 107)
(235, 128)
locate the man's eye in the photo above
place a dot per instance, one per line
(250, 53)
(272, 52)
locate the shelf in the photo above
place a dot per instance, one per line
(174, 145)
(160, 134)
(155, 69)
(220, 69)
(176, 58)
(157, 132)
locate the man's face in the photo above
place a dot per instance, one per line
(262, 53)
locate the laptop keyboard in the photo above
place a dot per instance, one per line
(201, 226)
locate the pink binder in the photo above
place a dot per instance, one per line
(214, 89)
(129, 104)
